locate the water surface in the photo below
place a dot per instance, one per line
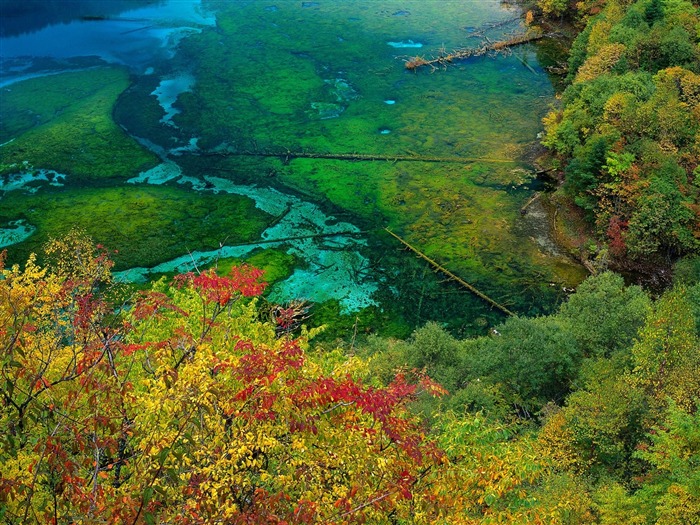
(222, 95)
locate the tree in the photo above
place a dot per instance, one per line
(604, 315)
(601, 424)
(667, 353)
(532, 361)
(672, 495)
(552, 7)
(633, 92)
(60, 403)
(187, 409)
(654, 11)
(488, 473)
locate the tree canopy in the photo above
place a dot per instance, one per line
(628, 129)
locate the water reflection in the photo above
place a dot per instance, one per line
(29, 16)
(42, 37)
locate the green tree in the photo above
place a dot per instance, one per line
(667, 353)
(672, 495)
(604, 420)
(533, 361)
(604, 315)
(654, 11)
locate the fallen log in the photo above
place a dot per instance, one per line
(536, 196)
(445, 59)
(298, 238)
(287, 156)
(452, 276)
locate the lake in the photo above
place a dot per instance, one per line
(188, 133)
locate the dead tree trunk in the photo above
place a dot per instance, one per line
(461, 54)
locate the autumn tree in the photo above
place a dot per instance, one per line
(188, 409)
(629, 126)
(552, 7)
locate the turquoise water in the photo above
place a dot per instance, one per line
(234, 99)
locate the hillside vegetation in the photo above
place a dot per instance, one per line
(628, 129)
(188, 403)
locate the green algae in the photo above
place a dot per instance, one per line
(64, 122)
(277, 264)
(316, 80)
(143, 224)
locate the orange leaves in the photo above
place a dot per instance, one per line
(431, 387)
(41, 383)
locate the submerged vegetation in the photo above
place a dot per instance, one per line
(134, 219)
(339, 90)
(64, 123)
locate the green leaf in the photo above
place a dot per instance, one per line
(147, 495)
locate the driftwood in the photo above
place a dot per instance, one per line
(451, 275)
(287, 156)
(487, 47)
(536, 196)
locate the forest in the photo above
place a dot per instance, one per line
(195, 400)
(629, 127)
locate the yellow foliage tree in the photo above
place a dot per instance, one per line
(189, 410)
(601, 62)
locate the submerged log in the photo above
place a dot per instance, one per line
(536, 196)
(287, 156)
(460, 54)
(452, 276)
(299, 237)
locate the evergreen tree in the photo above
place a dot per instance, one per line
(654, 12)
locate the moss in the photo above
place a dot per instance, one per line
(466, 216)
(260, 73)
(64, 122)
(358, 325)
(146, 225)
(277, 264)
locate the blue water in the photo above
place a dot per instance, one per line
(138, 38)
(326, 76)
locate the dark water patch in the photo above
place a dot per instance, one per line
(29, 16)
(140, 36)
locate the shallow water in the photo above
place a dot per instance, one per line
(223, 94)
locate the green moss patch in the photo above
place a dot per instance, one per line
(145, 225)
(64, 122)
(277, 264)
